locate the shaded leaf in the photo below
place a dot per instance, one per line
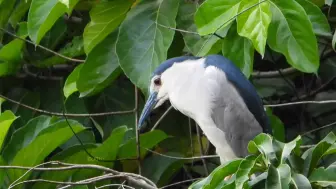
(317, 18)
(324, 177)
(70, 85)
(6, 120)
(6, 8)
(160, 169)
(244, 171)
(253, 24)
(278, 178)
(47, 141)
(147, 140)
(299, 181)
(106, 151)
(100, 68)
(285, 35)
(278, 129)
(313, 156)
(105, 18)
(19, 12)
(239, 50)
(142, 43)
(25, 135)
(42, 16)
(215, 14)
(10, 55)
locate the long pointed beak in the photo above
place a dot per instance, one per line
(149, 106)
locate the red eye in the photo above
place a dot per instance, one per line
(157, 81)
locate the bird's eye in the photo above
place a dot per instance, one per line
(157, 81)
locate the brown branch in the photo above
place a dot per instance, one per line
(272, 74)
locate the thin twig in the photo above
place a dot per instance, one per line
(108, 185)
(181, 182)
(137, 133)
(161, 118)
(317, 129)
(300, 102)
(42, 47)
(199, 139)
(181, 158)
(68, 114)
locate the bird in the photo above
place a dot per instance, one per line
(213, 92)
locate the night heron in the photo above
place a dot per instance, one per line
(216, 95)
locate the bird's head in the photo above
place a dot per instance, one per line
(159, 86)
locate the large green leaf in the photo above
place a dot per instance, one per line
(324, 177)
(6, 120)
(316, 17)
(147, 140)
(218, 175)
(143, 42)
(299, 181)
(46, 142)
(25, 136)
(285, 35)
(105, 18)
(262, 144)
(278, 178)
(313, 156)
(239, 50)
(244, 171)
(42, 16)
(253, 24)
(70, 85)
(195, 44)
(214, 14)
(106, 151)
(100, 68)
(285, 149)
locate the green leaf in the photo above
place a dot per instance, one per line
(106, 151)
(244, 171)
(195, 44)
(285, 35)
(217, 176)
(19, 12)
(6, 8)
(215, 14)
(324, 177)
(46, 142)
(314, 156)
(100, 68)
(25, 136)
(262, 143)
(143, 42)
(286, 149)
(11, 55)
(147, 140)
(42, 16)
(278, 178)
(278, 129)
(253, 23)
(160, 169)
(6, 120)
(70, 85)
(317, 18)
(299, 181)
(105, 18)
(239, 50)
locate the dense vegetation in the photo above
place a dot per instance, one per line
(74, 76)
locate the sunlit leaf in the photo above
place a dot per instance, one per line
(253, 24)
(285, 35)
(70, 85)
(324, 177)
(105, 18)
(6, 120)
(299, 181)
(43, 14)
(214, 14)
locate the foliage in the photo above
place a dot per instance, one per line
(85, 56)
